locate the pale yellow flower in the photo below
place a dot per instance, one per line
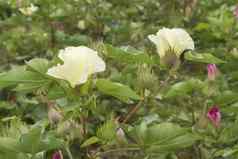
(78, 64)
(28, 11)
(174, 40)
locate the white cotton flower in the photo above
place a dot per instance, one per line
(79, 63)
(81, 24)
(174, 40)
(28, 11)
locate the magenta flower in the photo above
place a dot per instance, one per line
(211, 72)
(214, 116)
(236, 12)
(57, 155)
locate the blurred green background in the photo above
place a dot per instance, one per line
(59, 23)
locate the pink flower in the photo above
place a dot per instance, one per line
(236, 12)
(212, 72)
(57, 155)
(214, 116)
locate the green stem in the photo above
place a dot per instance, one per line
(119, 150)
(193, 116)
(132, 112)
(69, 152)
(33, 156)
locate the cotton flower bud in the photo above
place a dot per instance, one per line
(146, 78)
(18, 3)
(212, 72)
(214, 116)
(70, 128)
(64, 127)
(57, 155)
(54, 116)
(236, 12)
(121, 135)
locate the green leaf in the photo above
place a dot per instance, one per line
(107, 132)
(229, 134)
(6, 105)
(8, 145)
(183, 88)
(50, 142)
(204, 58)
(117, 90)
(130, 57)
(27, 78)
(29, 87)
(227, 152)
(29, 142)
(141, 133)
(162, 133)
(35, 141)
(56, 92)
(226, 98)
(90, 141)
(38, 65)
(179, 142)
(163, 138)
(20, 75)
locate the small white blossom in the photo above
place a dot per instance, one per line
(174, 40)
(81, 24)
(78, 64)
(28, 11)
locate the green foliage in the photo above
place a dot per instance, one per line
(117, 90)
(204, 58)
(134, 109)
(129, 56)
(35, 141)
(162, 138)
(184, 88)
(22, 78)
(107, 132)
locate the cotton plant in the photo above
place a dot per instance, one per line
(76, 67)
(172, 46)
(60, 85)
(159, 97)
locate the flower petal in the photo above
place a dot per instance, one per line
(161, 43)
(79, 63)
(180, 40)
(172, 40)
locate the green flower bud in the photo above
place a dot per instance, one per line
(54, 116)
(146, 78)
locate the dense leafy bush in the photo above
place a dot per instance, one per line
(92, 79)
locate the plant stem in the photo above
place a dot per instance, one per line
(69, 152)
(33, 156)
(132, 112)
(120, 149)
